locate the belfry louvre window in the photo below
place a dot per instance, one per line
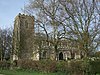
(26, 24)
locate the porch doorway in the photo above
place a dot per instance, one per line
(60, 56)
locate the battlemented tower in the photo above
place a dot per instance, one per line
(23, 37)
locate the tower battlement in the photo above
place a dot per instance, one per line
(24, 15)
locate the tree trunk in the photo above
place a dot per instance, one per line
(56, 53)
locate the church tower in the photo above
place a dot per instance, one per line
(23, 37)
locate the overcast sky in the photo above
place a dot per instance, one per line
(8, 10)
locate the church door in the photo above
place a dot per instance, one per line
(60, 56)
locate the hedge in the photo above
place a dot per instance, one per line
(72, 67)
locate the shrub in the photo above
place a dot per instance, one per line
(62, 66)
(4, 64)
(47, 66)
(95, 66)
(78, 67)
(28, 64)
(43, 65)
(74, 67)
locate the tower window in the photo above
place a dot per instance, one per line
(26, 24)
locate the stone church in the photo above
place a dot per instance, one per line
(24, 46)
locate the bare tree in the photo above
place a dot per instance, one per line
(47, 19)
(75, 20)
(5, 43)
(83, 25)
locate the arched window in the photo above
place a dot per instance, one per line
(44, 54)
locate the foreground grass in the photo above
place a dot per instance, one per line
(17, 72)
(20, 72)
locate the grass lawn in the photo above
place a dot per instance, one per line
(19, 72)
(14, 72)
